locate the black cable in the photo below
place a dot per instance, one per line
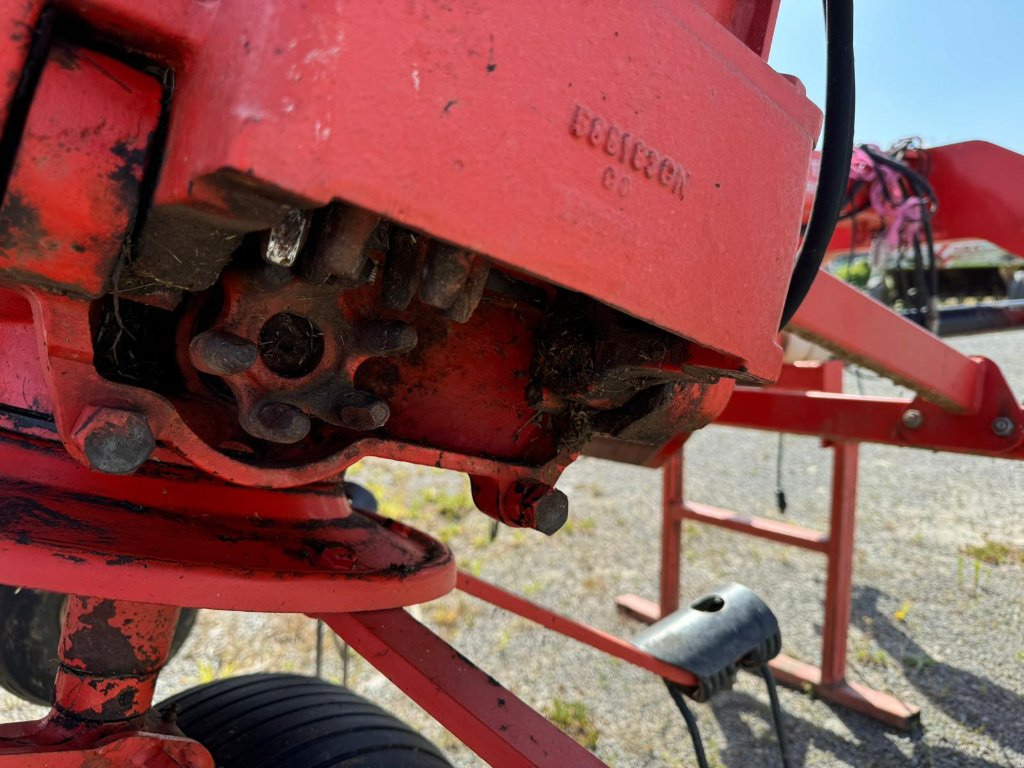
(320, 648)
(933, 265)
(836, 151)
(780, 492)
(773, 698)
(920, 289)
(691, 724)
(917, 182)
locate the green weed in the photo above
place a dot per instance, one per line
(574, 720)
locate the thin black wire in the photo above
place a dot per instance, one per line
(320, 648)
(691, 724)
(780, 732)
(921, 293)
(343, 650)
(780, 492)
(836, 151)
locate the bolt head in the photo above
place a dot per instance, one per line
(551, 511)
(536, 505)
(912, 418)
(222, 354)
(114, 440)
(281, 423)
(1003, 426)
(366, 416)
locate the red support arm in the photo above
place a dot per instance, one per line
(871, 420)
(866, 332)
(595, 638)
(467, 701)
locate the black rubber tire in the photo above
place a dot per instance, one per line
(360, 498)
(30, 626)
(290, 721)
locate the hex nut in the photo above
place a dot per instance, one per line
(114, 441)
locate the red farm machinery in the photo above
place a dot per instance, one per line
(245, 244)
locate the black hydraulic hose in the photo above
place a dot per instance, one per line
(919, 183)
(921, 293)
(933, 267)
(836, 151)
(691, 724)
(773, 699)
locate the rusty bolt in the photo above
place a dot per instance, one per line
(366, 415)
(551, 511)
(539, 506)
(222, 354)
(912, 418)
(1003, 426)
(114, 440)
(281, 423)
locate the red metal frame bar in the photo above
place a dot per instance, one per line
(860, 418)
(595, 638)
(671, 527)
(839, 579)
(861, 330)
(474, 706)
(763, 528)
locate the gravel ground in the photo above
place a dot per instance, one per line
(932, 624)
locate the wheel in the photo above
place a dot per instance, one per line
(360, 498)
(30, 627)
(290, 721)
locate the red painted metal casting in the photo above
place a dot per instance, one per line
(258, 128)
(502, 178)
(74, 188)
(110, 654)
(66, 529)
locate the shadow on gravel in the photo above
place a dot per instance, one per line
(872, 745)
(977, 703)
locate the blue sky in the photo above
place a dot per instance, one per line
(944, 70)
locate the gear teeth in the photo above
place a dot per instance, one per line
(472, 292)
(344, 238)
(406, 259)
(445, 276)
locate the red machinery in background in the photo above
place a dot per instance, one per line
(936, 232)
(244, 245)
